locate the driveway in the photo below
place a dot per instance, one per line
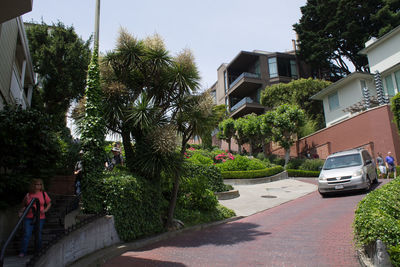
(308, 231)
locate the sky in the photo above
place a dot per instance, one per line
(214, 30)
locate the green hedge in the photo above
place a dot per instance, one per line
(251, 174)
(378, 217)
(302, 173)
(135, 204)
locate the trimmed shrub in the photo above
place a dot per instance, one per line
(252, 174)
(302, 173)
(242, 163)
(135, 204)
(193, 217)
(200, 159)
(378, 217)
(209, 173)
(274, 159)
(195, 195)
(294, 163)
(260, 156)
(312, 165)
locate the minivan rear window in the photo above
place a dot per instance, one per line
(342, 161)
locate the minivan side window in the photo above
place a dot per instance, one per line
(366, 156)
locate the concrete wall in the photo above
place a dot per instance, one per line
(96, 235)
(8, 220)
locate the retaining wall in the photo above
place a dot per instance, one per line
(94, 236)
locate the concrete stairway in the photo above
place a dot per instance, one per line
(54, 225)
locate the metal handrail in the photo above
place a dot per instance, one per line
(36, 220)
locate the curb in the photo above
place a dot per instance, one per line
(100, 257)
(280, 176)
(227, 194)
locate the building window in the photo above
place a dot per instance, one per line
(227, 104)
(226, 81)
(333, 100)
(273, 68)
(293, 69)
(389, 85)
(397, 77)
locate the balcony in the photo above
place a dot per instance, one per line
(245, 84)
(246, 106)
(11, 9)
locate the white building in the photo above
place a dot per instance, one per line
(345, 98)
(16, 71)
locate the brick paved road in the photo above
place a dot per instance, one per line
(309, 231)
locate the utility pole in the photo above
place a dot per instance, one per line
(96, 25)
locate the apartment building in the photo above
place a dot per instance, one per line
(16, 71)
(241, 81)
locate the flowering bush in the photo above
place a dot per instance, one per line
(224, 156)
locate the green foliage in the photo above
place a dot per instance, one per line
(332, 33)
(274, 159)
(395, 107)
(311, 126)
(294, 163)
(194, 194)
(135, 204)
(210, 174)
(312, 165)
(92, 137)
(194, 217)
(241, 163)
(69, 151)
(377, 217)
(200, 159)
(287, 121)
(29, 150)
(226, 130)
(61, 59)
(302, 173)
(251, 174)
(297, 92)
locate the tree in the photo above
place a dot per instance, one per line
(61, 59)
(240, 136)
(297, 92)
(194, 117)
(227, 131)
(93, 133)
(252, 130)
(266, 122)
(332, 32)
(147, 98)
(287, 121)
(218, 114)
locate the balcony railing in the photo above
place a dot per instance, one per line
(244, 75)
(241, 103)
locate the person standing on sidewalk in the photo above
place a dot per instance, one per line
(391, 168)
(381, 165)
(36, 191)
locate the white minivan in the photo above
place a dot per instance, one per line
(346, 171)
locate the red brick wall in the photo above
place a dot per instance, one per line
(373, 129)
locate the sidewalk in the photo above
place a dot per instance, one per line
(258, 197)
